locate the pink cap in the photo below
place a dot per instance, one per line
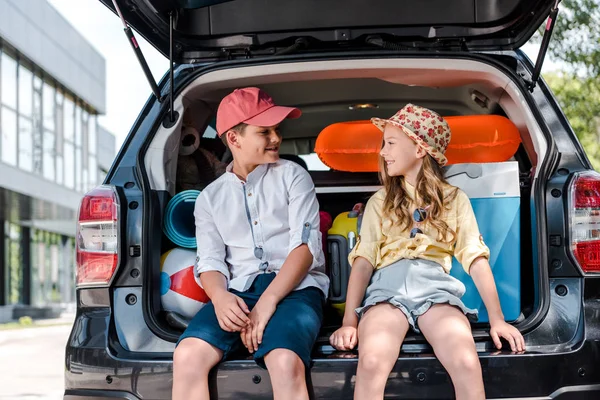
(252, 106)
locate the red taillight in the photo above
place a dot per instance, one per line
(585, 220)
(98, 237)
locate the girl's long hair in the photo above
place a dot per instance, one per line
(429, 191)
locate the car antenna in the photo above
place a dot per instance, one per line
(140, 56)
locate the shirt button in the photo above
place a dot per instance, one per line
(249, 194)
(255, 222)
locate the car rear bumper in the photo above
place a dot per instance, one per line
(564, 376)
(583, 392)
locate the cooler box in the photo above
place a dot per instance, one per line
(495, 196)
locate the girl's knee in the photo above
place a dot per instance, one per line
(465, 363)
(195, 356)
(372, 364)
(285, 364)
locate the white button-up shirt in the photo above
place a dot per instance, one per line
(244, 229)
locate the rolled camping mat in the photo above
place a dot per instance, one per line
(179, 223)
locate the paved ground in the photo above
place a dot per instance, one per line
(32, 360)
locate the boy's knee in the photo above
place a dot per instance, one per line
(284, 364)
(195, 356)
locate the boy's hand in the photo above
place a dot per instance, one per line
(259, 317)
(231, 311)
(510, 333)
(345, 338)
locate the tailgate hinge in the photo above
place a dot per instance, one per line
(543, 47)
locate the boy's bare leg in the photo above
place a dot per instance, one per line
(192, 361)
(381, 332)
(287, 374)
(448, 331)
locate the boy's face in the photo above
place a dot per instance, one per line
(257, 145)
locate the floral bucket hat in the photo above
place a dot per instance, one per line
(425, 127)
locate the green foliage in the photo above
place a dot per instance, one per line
(580, 101)
(575, 44)
(576, 36)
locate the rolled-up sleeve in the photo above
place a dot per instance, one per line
(371, 235)
(210, 255)
(304, 214)
(469, 242)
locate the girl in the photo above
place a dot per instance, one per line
(410, 231)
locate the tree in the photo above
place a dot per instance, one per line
(580, 101)
(576, 44)
(576, 36)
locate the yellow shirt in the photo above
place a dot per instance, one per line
(383, 243)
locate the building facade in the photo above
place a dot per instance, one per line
(52, 89)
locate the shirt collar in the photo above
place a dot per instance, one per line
(253, 176)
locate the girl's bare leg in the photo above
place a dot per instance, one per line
(381, 332)
(448, 331)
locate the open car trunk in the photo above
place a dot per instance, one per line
(221, 29)
(330, 92)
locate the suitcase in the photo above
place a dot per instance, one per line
(341, 238)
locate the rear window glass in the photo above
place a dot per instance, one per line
(313, 162)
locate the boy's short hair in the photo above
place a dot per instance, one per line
(239, 128)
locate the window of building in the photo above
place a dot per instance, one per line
(79, 181)
(85, 148)
(49, 107)
(9, 136)
(92, 151)
(38, 130)
(78, 168)
(92, 172)
(69, 120)
(25, 144)
(78, 117)
(69, 157)
(25, 91)
(14, 263)
(60, 122)
(60, 170)
(48, 162)
(8, 65)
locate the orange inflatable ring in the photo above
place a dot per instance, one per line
(354, 146)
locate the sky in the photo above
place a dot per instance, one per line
(127, 89)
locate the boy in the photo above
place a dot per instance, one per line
(260, 257)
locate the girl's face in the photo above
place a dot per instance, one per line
(402, 156)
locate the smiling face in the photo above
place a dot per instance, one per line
(255, 145)
(401, 155)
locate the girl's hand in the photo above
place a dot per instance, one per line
(501, 329)
(344, 338)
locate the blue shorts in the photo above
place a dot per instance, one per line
(294, 326)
